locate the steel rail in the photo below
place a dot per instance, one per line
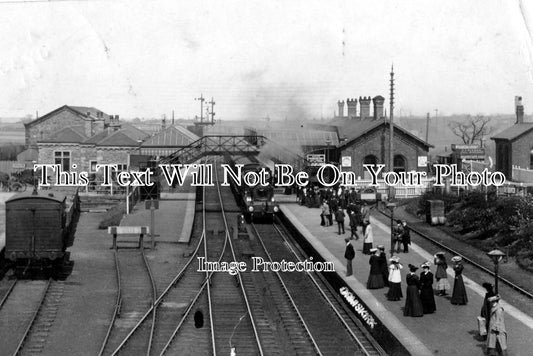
(470, 261)
(160, 298)
(33, 319)
(205, 284)
(228, 238)
(154, 297)
(4, 299)
(293, 303)
(118, 305)
(321, 291)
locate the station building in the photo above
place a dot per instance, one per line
(364, 139)
(514, 145)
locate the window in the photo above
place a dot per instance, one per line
(370, 159)
(399, 164)
(93, 166)
(62, 158)
(121, 167)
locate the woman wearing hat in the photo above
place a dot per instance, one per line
(459, 291)
(413, 304)
(375, 279)
(440, 274)
(497, 333)
(368, 237)
(426, 289)
(395, 280)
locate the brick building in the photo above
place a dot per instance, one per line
(90, 120)
(365, 139)
(514, 145)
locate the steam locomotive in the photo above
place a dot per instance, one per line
(256, 201)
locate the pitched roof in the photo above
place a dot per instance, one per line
(513, 132)
(81, 111)
(71, 134)
(171, 136)
(128, 130)
(118, 138)
(301, 136)
(351, 129)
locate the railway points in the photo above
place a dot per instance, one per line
(420, 336)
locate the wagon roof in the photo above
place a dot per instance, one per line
(40, 194)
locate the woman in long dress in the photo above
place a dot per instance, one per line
(395, 280)
(459, 291)
(369, 237)
(375, 279)
(426, 289)
(440, 274)
(413, 304)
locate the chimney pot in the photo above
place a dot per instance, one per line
(519, 110)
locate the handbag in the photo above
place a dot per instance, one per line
(482, 325)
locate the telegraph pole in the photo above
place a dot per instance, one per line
(427, 127)
(201, 99)
(391, 124)
(212, 113)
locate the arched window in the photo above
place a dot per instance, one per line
(370, 159)
(399, 163)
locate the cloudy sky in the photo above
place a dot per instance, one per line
(256, 58)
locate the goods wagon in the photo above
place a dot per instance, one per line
(40, 227)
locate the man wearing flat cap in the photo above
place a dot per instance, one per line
(349, 254)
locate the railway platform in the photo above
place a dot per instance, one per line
(451, 330)
(173, 219)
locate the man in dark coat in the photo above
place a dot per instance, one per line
(349, 254)
(406, 236)
(339, 216)
(354, 222)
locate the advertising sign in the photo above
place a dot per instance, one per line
(346, 161)
(316, 160)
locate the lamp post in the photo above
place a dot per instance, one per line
(391, 207)
(496, 256)
(33, 178)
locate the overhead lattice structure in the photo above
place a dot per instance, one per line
(216, 146)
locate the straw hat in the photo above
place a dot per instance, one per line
(425, 264)
(395, 259)
(494, 299)
(457, 259)
(381, 247)
(373, 250)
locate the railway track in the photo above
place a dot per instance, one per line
(136, 293)
(344, 333)
(419, 232)
(6, 291)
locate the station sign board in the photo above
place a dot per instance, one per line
(316, 160)
(19, 165)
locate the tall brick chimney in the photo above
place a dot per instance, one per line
(341, 108)
(519, 109)
(378, 107)
(352, 108)
(365, 106)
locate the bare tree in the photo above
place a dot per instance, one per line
(471, 130)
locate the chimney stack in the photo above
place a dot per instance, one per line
(352, 108)
(341, 108)
(378, 107)
(519, 109)
(365, 106)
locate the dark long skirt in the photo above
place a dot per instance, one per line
(366, 247)
(395, 291)
(375, 281)
(413, 304)
(459, 291)
(428, 300)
